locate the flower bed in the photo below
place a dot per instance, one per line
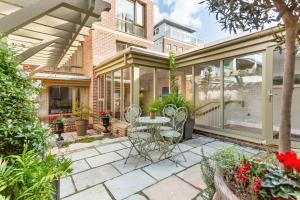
(255, 179)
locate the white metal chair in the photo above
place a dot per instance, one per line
(173, 137)
(139, 139)
(169, 111)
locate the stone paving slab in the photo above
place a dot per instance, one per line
(162, 169)
(95, 193)
(82, 154)
(183, 148)
(129, 184)
(191, 159)
(131, 164)
(219, 144)
(111, 147)
(103, 159)
(208, 151)
(136, 197)
(172, 188)
(66, 187)
(193, 175)
(126, 143)
(125, 152)
(94, 176)
(199, 141)
(79, 166)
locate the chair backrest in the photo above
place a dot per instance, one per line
(180, 119)
(132, 113)
(169, 111)
(136, 108)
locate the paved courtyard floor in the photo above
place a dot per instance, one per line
(99, 172)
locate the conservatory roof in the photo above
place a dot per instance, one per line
(47, 32)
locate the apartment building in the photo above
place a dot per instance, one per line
(171, 36)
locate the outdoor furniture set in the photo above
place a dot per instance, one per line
(163, 132)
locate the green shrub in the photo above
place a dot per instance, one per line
(157, 104)
(29, 177)
(19, 124)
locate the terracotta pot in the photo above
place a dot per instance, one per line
(223, 192)
(81, 127)
(152, 115)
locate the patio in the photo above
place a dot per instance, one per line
(99, 171)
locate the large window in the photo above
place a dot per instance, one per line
(130, 17)
(101, 92)
(60, 100)
(207, 94)
(117, 94)
(242, 93)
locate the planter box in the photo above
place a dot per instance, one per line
(223, 192)
(56, 193)
(188, 129)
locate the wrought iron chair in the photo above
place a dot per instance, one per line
(173, 137)
(139, 139)
(137, 110)
(169, 111)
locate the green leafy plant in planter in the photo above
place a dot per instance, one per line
(29, 177)
(82, 114)
(152, 112)
(25, 171)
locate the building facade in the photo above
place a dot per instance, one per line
(171, 36)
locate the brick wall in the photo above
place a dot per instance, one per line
(179, 44)
(101, 44)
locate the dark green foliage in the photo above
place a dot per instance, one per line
(175, 99)
(19, 124)
(28, 177)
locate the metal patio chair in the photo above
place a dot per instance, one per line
(169, 111)
(173, 137)
(140, 139)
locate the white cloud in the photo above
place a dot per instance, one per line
(186, 12)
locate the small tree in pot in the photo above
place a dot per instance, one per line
(82, 114)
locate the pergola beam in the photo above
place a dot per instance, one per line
(33, 50)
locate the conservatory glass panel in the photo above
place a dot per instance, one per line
(126, 87)
(117, 94)
(185, 82)
(162, 83)
(243, 94)
(278, 60)
(207, 94)
(108, 80)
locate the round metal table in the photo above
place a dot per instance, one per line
(157, 121)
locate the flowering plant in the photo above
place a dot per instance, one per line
(59, 118)
(252, 178)
(107, 114)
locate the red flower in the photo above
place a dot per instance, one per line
(54, 117)
(66, 116)
(289, 164)
(241, 173)
(256, 185)
(101, 113)
(110, 113)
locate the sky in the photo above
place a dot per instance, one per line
(191, 14)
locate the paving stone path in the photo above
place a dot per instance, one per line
(99, 172)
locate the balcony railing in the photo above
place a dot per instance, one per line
(183, 37)
(130, 28)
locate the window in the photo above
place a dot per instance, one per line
(180, 49)
(60, 100)
(121, 46)
(130, 17)
(174, 48)
(168, 46)
(156, 31)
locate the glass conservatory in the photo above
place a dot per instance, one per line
(234, 85)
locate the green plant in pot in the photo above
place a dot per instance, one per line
(152, 112)
(105, 118)
(82, 114)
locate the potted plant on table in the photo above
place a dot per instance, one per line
(82, 114)
(152, 112)
(105, 118)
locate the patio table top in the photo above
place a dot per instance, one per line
(156, 120)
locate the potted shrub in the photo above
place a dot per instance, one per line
(152, 112)
(82, 114)
(105, 118)
(253, 178)
(57, 123)
(179, 101)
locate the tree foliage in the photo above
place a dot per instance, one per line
(173, 72)
(19, 124)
